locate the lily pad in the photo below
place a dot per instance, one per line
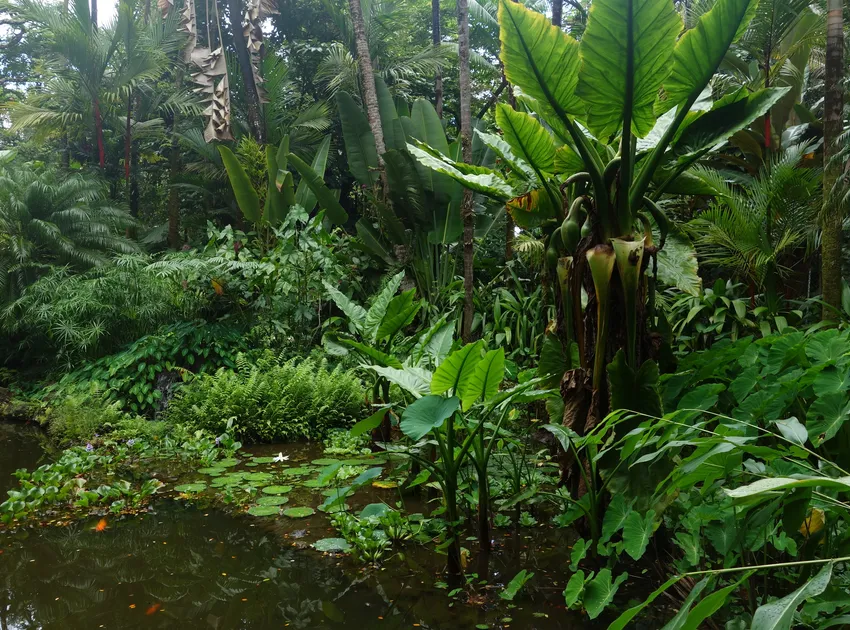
(191, 487)
(332, 545)
(227, 462)
(313, 483)
(257, 476)
(273, 500)
(299, 512)
(296, 472)
(262, 460)
(371, 461)
(325, 461)
(227, 480)
(251, 464)
(214, 471)
(277, 489)
(264, 510)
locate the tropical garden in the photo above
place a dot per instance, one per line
(471, 314)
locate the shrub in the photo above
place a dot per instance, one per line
(78, 420)
(271, 400)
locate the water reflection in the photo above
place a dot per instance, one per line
(20, 447)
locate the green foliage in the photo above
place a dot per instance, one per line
(271, 400)
(141, 377)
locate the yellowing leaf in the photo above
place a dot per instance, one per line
(814, 522)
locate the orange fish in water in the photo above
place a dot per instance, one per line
(153, 608)
(101, 525)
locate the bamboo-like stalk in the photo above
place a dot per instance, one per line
(601, 260)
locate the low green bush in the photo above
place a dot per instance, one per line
(271, 400)
(80, 420)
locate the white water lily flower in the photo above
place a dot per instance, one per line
(281, 457)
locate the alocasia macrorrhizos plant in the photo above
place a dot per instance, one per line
(625, 116)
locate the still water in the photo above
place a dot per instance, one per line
(179, 566)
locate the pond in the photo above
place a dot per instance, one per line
(205, 568)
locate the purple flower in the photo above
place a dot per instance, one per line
(89, 448)
(131, 442)
(218, 441)
(97, 435)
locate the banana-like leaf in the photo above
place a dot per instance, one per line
(427, 127)
(476, 178)
(280, 159)
(388, 113)
(355, 313)
(359, 141)
(526, 137)
(376, 312)
(625, 56)
(701, 49)
(540, 59)
(372, 241)
(246, 197)
(304, 197)
(729, 115)
(501, 148)
(380, 358)
(277, 200)
(327, 199)
(400, 312)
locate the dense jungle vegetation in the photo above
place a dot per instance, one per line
(574, 266)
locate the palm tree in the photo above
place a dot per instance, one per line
(466, 150)
(367, 77)
(46, 219)
(756, 226)
(436, 40)
(832, 127)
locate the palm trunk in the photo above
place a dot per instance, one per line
(364, 61)
(98, 130)
(557, 12)
(246, 68)
(466, 150)
(435, 39)
(93, 12)
(174, 172)
(128, 138)
(832, 126)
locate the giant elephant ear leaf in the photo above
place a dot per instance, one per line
(526, 137)
(327, 199)
(540, 59)
(485, 380)
(701, 49)
(359, 141)
(625, 57)
(728, 115)
(400, 312)
(456, 370)
(477, 178)
(246, 197)
(427, 413)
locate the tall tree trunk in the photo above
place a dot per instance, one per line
(128, 137)
(246, 68)
(98, 130)
(466, 150)
(173, 174)
(93, 12)
(436, 39)
(364, 61)
(509, 220)
(832, 126)
(557, 12)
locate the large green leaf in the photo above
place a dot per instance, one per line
(637, 531)
(380, 358)
(634, 390)
(770, 487)
(779, 615)
(616, 514)
(400, 312)
(826, 416)
(415, 380)
(677, 263)
(378, 309)
(370, 423)
(728, 116)
(476, 178)
(709, 605)
(701, 49)
(388, 113)
(426, 414)
(246, 197)
(426, 126)
(355, 313)
(281, 160)
(625, 56)
(485, 380)
(359, 141)
(327, 199)
(526, 137)
(454, 373)
(277, 200)
(600, 591)
(505, 152)
(540, 59)
(304, 196)
(623, 620)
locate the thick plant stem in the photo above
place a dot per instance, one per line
(601, 260)
(831, 224)
(246, 68)
(466, 148)
(629, 256)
